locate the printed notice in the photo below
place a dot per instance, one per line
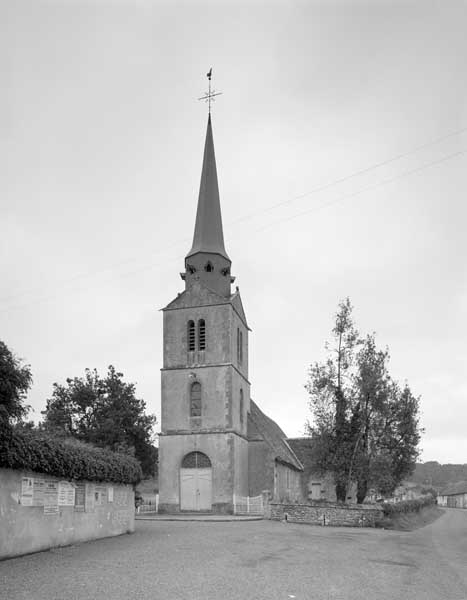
(27, 485)
(99, 495)
(66, 494)
(120, 497)
(50, 497)
(38, 492)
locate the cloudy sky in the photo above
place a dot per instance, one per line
(341, 142)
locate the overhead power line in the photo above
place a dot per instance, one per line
(326, 186)
(365, 189)
(265, 210)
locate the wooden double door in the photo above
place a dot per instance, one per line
(196, 489)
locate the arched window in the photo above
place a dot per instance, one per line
(191, 336)
(201, 334)
(241, 406)
(195, 399)
(208, 267)
(196, 460)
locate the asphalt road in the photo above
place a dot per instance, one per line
(253, 560)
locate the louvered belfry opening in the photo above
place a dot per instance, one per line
(201, 334)
(196, 460)
(191, 336)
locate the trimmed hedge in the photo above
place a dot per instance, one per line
(35, 452)
(407, 506)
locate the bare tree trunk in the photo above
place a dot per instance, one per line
(341, 491)
(352, 461)
(362, 489)
(340, 441)
(362, 486)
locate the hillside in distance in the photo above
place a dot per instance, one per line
(433, 474)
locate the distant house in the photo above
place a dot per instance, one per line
(315, 484)
(454, 496)
(406, 491)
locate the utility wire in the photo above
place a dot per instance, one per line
(283, 220)
(249, 216)
(365, 189)
(326, 186)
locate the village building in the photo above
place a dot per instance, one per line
(215, 443)
(315, 485)
(454, 496)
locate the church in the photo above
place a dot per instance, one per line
(215, 442)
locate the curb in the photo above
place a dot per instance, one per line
(200, 519)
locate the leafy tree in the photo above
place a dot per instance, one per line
(365, 425)
(331, 394)
(104, 412)
(15, 381)
(400, 434)
(371, 383)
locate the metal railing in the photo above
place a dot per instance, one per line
(248, 505)
(148, 506)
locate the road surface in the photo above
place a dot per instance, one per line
(252, 560)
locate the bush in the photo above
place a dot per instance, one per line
(407, 506)
(28, 450)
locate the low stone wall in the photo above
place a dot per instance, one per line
(39, 511)
(362, 515)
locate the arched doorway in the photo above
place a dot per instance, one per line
(196, 482)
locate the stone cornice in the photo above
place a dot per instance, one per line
(193, 367)
(216, 431)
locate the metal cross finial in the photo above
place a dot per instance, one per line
(210, 94)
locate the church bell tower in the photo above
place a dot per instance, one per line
(205, 399)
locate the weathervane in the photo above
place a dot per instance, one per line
(210, 94)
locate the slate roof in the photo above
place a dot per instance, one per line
(208, 236)
(455, 488)
(261, 427)
(303, 449)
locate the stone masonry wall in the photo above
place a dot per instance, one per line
(327, 514)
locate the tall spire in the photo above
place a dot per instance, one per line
(208, 236)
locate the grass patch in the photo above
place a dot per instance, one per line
(411, 520)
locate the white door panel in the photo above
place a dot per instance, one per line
(196, 489)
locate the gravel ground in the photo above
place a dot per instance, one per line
(257, 560)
